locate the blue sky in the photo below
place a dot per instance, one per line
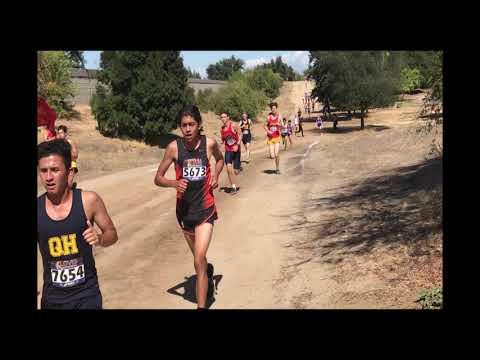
(199, 60)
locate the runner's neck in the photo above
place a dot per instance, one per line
(60, 199)
(193, 144)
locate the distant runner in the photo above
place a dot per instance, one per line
(300, 122)
(246, 127)
(319, 123)
(290, 131)
(231, 137)
(66, 234)
(272, 127)
(195, 182)
(284, 133)
(62, 133)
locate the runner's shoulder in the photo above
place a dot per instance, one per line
(171, 147)
(90, 199)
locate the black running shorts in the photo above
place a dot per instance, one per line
(233, 158)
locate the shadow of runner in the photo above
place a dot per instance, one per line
(404, 206)
(349, 129)
(190, 292)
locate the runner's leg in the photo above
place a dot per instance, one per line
(203, 236)
(277, 156)
(272, 151)
(230, 174)
(190, 240)
(237, 164)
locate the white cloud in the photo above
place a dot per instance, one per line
(202, 72)
(298, 60)
(251, 63)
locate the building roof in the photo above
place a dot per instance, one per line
(84, 73)
(206, 81)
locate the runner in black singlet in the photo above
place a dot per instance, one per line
(246, 127)
(66, 233)
(195, 182)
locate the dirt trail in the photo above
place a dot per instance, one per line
(263, 248)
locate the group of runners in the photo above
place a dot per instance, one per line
(67, 215)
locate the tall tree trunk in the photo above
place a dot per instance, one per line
(362, 123)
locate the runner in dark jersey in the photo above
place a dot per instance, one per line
(195, 182)
(246, 127)
(62, 133)
(66, 233)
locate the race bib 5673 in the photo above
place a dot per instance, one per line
(194, 173)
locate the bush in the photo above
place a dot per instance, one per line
(245, 91)
(431, 299)
(264, 80)
(54, 80)
(205, 100)
(238, 97)
(411, 79)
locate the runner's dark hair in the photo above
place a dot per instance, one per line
(272, 104)
(59, 147)
(63, 128)
(194, 112)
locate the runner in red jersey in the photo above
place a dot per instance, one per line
(272, 127)
(46, 117)
(195, 181)
(231, 137)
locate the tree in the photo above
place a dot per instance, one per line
(286, 72)
(432, 111)
(193, 74)
(77, 58)
(353, 80)
(224, 69)
(140, 93)
(54, 83)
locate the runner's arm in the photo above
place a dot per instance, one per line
(99, 216)
(168, 158)
(219, 161)
(74, 150)
(265, 126)
(239, 133)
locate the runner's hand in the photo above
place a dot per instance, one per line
(181, 185)
(213, 182)
(90, 235)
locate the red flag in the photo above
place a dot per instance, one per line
(46, 116)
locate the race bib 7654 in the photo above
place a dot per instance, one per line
(67, 273)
